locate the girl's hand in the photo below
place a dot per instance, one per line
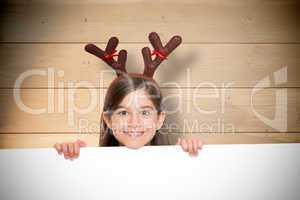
(71, 150)
(190, 145)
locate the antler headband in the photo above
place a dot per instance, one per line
(161, 52)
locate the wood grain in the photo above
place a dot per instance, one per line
(191, 65)
(44, 140)
(47, 140)
(197, 21)
(228, 47)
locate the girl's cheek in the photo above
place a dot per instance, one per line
(119, 125)
(150, 128)
(150, 122)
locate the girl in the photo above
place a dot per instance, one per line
(133, 112)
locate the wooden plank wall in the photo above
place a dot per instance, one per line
(228, 47)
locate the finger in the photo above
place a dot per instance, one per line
(71, 149)
(200, 144)
(76, 149)
(190, 146)
(81, 143)
(178, 141)
(195, 147)
(58, 148)
(65, 150)
(184, 145)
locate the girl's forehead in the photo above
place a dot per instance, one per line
(137, 98)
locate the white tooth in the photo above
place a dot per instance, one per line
(134, 134)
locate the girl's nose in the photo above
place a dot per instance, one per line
(134, 119)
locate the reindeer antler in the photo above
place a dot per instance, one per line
(109, 53)
(160, 51)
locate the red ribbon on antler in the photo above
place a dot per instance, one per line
(110, 56)
(159, 54)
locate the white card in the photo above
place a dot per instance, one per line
(240, 171)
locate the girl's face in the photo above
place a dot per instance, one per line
(135, 120)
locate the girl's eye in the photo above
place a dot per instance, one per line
(146, 112)
(122, 113)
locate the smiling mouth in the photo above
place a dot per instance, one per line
(134, 133)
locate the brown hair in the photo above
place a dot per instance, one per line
(117, 91)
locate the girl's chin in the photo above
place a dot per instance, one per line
(134, 144)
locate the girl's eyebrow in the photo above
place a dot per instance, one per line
(147, 107)
(120, 106)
